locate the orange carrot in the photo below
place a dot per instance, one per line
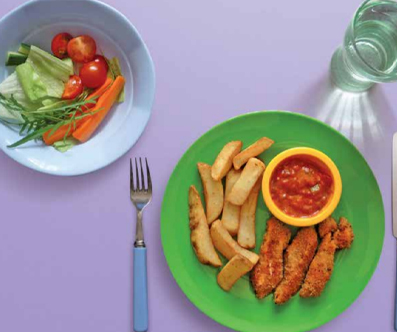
(68, 129)
(103, 105)
(97, 93)
(58, 134)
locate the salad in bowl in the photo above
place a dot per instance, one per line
(111, 124)
(59, 97)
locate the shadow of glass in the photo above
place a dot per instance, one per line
(365, 118)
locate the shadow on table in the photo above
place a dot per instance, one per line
(365, 118)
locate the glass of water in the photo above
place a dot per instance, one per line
(369, 52)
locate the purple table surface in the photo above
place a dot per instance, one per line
(65, 243)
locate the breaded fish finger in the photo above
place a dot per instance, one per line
(268, 273)
(344, 236)
(297, 258)
(329, 225)
(320, 269)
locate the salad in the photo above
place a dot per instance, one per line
(59, 98)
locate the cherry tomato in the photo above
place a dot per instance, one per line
(101, 59)
(93, 73)
(59, 44)
(73, 87)
(82, 49)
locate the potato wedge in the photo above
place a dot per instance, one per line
(213, 192)
(233, 270)
(246, 231)
(231, 212)
(252, 151)
(250, 175)
(224, 161)
(226, 245)
(199, 231)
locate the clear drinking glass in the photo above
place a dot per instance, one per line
(369, 52)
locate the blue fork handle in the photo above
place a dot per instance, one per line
(140, 301)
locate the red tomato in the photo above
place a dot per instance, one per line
(94, 73)
(82, 49)
(59, 44)
(101, 59)
(73, 87)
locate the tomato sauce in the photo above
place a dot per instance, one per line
(300, 188)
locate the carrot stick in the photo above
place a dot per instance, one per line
(97, 93)
(58, 134)
(67, 129)
(104, 104)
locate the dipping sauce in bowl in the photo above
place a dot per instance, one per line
(301, 186)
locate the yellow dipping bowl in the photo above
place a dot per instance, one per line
(322, 161)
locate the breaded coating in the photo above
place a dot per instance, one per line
(329, 225)
(268, 273)
(320, 269)
(298, 257)
(344, 236)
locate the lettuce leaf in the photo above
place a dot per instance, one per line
(69, 62)
(65, 145)
(32, 85)
(52, 71)
(12, 87)
(49, 104)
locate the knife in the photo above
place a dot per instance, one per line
(394, 211)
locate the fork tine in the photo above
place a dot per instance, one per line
(138, 181)
(142, 176)
(149, 179)
(132, 187)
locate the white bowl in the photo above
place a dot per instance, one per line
(36, 22)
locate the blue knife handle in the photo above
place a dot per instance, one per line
(140, 301)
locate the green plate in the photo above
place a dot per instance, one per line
(361, 203)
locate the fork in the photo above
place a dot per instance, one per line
(141, 196)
